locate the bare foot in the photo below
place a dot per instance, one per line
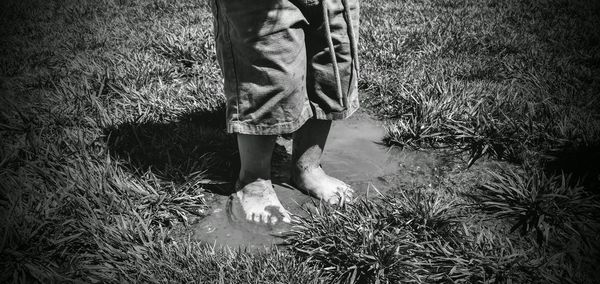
(320, 185)
(260, 203)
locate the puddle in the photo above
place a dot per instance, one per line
(353, 154)
(220, 229)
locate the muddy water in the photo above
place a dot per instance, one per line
(353, 154)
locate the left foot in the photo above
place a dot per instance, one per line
(260, 203)
(317, 183)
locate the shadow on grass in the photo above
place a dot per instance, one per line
(582, 163)
(195, 143)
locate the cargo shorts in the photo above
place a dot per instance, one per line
(286, 61)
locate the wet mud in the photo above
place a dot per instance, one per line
(353, 153)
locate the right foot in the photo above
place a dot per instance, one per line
(317, 183)
(260, 203)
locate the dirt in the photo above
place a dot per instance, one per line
(353, 153)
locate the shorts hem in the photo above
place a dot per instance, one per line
(240, 127)
(335, 115)
(340, 115)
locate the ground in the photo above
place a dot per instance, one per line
(111, 122)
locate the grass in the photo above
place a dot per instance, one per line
(539, 203)
(111, 122)
(509, 80)
(400, 240)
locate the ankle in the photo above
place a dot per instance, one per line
(259, 187)
(245, 178)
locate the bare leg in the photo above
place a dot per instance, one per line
(307, 174)
(254, 188)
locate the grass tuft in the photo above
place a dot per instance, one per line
(547, 205)
(410, 239)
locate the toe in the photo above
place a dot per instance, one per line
(256, 218)
(349, 193)
(273, 220)
(285, 216)
(335, 200)
(343, 195)
(349, 190)
(264, 218)
(346, 190)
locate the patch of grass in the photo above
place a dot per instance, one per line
(194, 262)
(458, 117)
(557, 215)
(195, 142)
(416, 238)
(549, 206)
(514, 86)
(504, 80)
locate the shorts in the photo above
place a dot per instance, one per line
(286, 61)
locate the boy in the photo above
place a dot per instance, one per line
(290, 66)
